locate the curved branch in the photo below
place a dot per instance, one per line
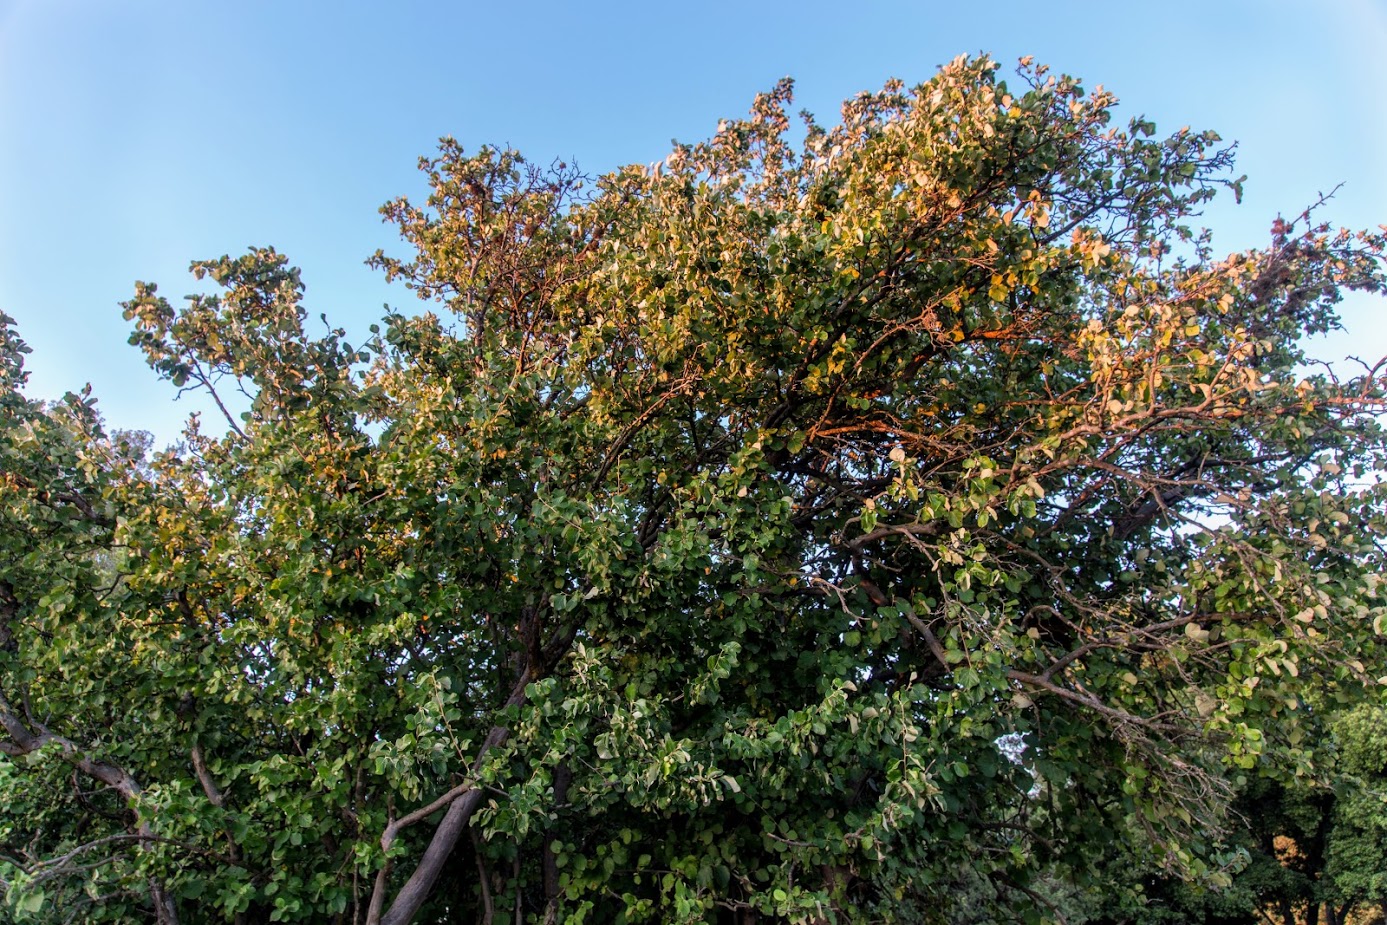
(26, 741)
(387, 838)
(1088, 701)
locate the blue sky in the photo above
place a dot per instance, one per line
(137, 136)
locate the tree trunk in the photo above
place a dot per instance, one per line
(420, 884)
(562, 776)
(165, 912)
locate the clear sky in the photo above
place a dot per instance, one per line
(136, 136)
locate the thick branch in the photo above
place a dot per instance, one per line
(1085, 700)
(209, 786)
(462, 801)
(26, 741)
(393, 829)
(909, 530)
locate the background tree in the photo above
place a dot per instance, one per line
(1311, 847)
(784, 532)
(1356, 862)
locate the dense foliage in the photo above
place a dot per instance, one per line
(1313, 848)
(794, 530)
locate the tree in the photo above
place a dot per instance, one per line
(1313, 846)
(783, 532)
(1356, 862)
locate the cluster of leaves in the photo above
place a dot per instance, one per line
(778, 531)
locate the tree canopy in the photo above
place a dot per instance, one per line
(792, 530)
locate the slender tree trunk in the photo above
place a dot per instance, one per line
(420, 884)
(459, 813)
(165, 912)
(488, 905)
(562, 776)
